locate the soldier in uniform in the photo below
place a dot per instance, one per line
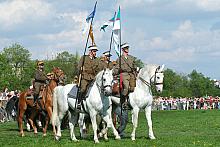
(87, 71)
(105, 61)
(40, 79)
(128, 71)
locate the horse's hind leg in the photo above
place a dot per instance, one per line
(94, 125)
(20, 121)
(149, 121)
(135, 112)
(72, 122)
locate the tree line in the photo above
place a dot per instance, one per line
(17, 71)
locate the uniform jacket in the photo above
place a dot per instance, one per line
(90, 67)
(127, 65)
(40, 76)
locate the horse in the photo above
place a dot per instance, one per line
(46, 102)
(96, 103)
(142, 98)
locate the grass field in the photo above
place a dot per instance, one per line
(171, 128)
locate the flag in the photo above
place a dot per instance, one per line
(116, 33)
(91, 35)
(110, 22)
(91, 15)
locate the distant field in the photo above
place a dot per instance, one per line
(171, 128)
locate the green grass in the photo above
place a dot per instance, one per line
(171, 128)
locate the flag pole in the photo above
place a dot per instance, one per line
(110, 46)
(120, 72)
(81, 68)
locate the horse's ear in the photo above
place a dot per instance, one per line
(162, 67)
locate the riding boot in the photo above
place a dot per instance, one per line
(124, 103)
(35, 99)
(79, 101)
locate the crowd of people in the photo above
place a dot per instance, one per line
(180, 103)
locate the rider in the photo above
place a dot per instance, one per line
(128, 71)
(40, 79)
(105, 61)
(87, 72)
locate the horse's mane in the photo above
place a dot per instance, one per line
(147, 68)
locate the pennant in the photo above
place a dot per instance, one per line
(116, 33)
(110, 22)
(91, 35)
(91, 15)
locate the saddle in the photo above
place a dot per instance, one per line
(30, 92)
(73, 91)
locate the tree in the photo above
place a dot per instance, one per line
(17, 59)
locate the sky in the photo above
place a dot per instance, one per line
(182, 34)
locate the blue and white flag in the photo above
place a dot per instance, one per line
(90, 17)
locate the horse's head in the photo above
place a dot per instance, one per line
(59, 75)
(157, 79)
(152, 75)
(104, 80)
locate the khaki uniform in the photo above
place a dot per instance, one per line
(90, 69)
(40, 79)
(104, 64)
(128, 69)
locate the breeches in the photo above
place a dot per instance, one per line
(129, 83)
(37, 87)
(84, 85)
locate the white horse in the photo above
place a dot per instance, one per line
(97, 102)
(142, 97)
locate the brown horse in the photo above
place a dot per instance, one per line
(46, 102)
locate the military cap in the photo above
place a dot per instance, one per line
(124, 45)
(107, 53)
(50, 74)
(40, 63)
(93, 47)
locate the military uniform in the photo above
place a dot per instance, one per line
(89, 71)
(128, 69)
(40, 79)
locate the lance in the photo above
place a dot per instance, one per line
(81, 68)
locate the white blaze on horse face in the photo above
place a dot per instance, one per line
(107, 82)
(159, 81)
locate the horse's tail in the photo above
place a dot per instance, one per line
(55, 106)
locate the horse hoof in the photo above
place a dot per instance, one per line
(96, 141)
(118, 137)
(152, 138)
(57, 138)
(22, 134)
(44, 135)
(133, 138)
(75, 140)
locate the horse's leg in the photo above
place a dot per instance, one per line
(48, 118)
(81, 125)
(135, 112)
(45, 126)
(72, 122)
(20, 121)
(110, 124)
(149, 121)
(33, 115)
(94, 125)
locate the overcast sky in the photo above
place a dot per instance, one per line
(182, 34)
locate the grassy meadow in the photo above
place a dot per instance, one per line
(171, 128)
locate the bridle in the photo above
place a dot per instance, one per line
(59, 77)
(102, 87)
(149, 84)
